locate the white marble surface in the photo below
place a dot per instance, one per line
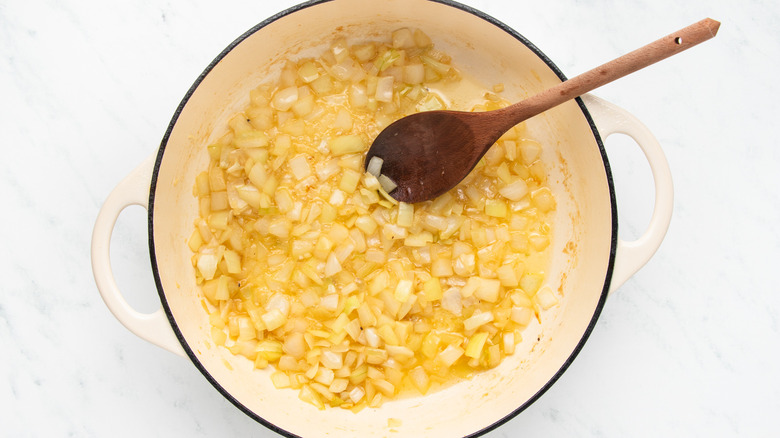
(688, 347)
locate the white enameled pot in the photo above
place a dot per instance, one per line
(589, 259)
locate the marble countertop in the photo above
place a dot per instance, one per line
(689, 346)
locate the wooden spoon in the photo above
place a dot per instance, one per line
(428, 153)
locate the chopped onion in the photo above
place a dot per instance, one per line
(451, 301)
(327, 169)
(450, 355)
(546, 298)
(477, 320)
(308, 265)
(529, 150)
(330, 302)
(280, 302)
(331, 360)
(299, 167)
(375, 166)
(414, 73)
(285, 98)
(207, 265)
(475, 345)
(521, 315)
(384, 89)
(294, 345)
(273, 319)
(346, 144)
(514, 191)
(403, 290)
(488, 290)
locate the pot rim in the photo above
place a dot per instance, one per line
(479, 14)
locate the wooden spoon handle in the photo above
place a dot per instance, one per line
(617, 68)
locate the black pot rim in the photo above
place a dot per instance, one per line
(451, 3)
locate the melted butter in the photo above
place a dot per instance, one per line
(462, 95)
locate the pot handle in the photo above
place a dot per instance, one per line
(631, 256)
(132, 190)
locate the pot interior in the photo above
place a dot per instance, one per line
(584, 228)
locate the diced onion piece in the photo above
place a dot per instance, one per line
(285, 98)
(250, 195)
(308, 72)
(280, 380)
(343, 120)
(439, 67)
(294, 345)
(251, 139)
(338, 385)
(337, 198)
(347, 144)
(299, 167)
(521, 315)
(223, 289)
(349, 181)
(478, 319)
(538, 241)
(508, 339)
(420, 379)
(403, 290)
(507, 276)
(274, 319)
(195, 241)
(327, 169)
(280, 227)
(432, 289)
(471, 286)
(384, 89)
(393, 231)
(495, 208)
(403, 38)
(356, 394)
(405, 214)
(414, 73)
(543, 199)
(372, 337)
(530, 283)
(400, 353)
(529, 150)
(331, 359)
(488, 290)
(308, 395)
(515, 190)
(450, 355)
(232, 261)
(375, 356)
(258, 175)
(358, 97)
(330, 302)
(375, 166)
(366, 224)
(421, 39)
(431, 102)
(546, 298)
(442, 267)
(475, 345)
(451, 301)
(207, 265)
(284, 200)
(246, 330)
